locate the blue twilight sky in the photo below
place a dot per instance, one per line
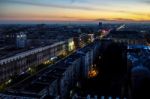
(74, 10)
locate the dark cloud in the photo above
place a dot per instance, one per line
(120, 20)
(57, 5)
(49, 4)
(146, 1)
(74, 1)
(134, 13)
(115, 19)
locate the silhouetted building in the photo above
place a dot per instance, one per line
(100, 25)
(140, 79)
(21, 40)
(147, 37)
(113, 71)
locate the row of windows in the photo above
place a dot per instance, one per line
(20, 64)
(51, 50)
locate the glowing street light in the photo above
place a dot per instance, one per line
(93, 73)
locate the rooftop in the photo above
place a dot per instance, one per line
(127, 34)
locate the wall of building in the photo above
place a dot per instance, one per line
(21, 62)
(69, 70)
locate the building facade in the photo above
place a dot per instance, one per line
(21, 40)
(22, 61)
(57, 80)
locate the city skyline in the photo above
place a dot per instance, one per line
(74, 11)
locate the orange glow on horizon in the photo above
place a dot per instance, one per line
(77, 15)
(41, 13)
(82, 16)
(76, 19)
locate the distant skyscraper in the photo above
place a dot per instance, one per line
(100, 25)
(21, 40)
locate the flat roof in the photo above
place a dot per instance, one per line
(34, 88)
